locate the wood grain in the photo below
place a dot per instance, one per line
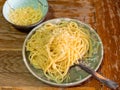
(78, 9)
(10, 60)
(108, 21)
(27, 79)
(102, 15)
(45, 88)
(19, 79)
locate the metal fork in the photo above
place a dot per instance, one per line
(111, 84)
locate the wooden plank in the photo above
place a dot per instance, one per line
(12, 61)
(30, 88)
(46, 88)
(110, 34)
(80, 88)
(27, 79)
(108, 21)
(78, 9)
(19, 79)
(11, 41)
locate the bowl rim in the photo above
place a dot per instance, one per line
(52, 83)
(26, 26)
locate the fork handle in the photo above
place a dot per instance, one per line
(111, 84)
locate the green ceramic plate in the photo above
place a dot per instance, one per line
(77, 75)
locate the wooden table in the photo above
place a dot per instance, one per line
(102, 15)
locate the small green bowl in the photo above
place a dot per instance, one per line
(15, 4)
(77, 75)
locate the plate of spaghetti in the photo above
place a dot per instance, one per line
(53, 47)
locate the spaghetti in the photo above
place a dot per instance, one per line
(25, 16)
(54, 48)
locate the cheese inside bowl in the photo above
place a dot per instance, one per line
(54, 46)
(25, 14)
